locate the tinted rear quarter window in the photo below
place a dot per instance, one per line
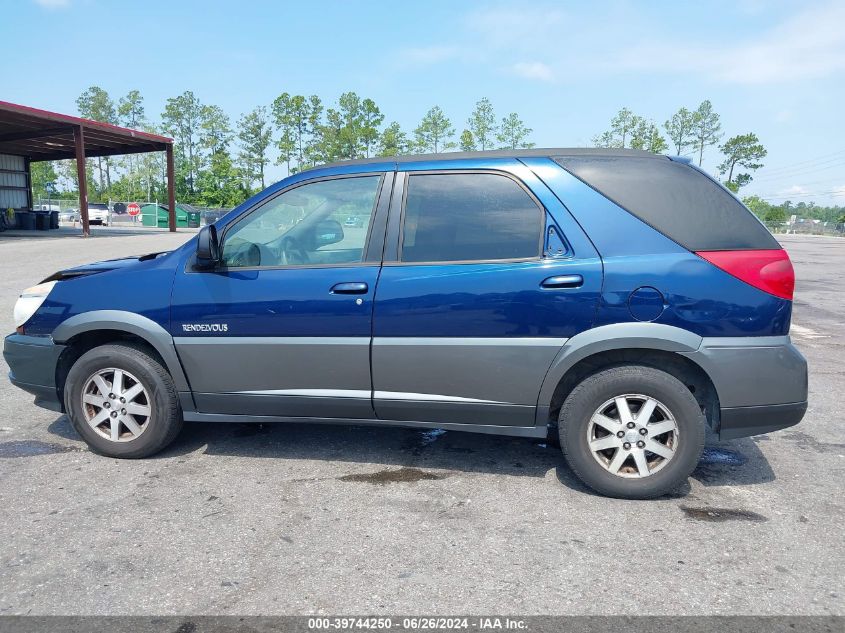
(469, 217)
(676, 199)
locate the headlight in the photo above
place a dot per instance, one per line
(30, 300)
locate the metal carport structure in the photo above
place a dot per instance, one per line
(38, 135)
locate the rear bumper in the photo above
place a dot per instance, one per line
(761, 382)
(32, 361)
(744, 421)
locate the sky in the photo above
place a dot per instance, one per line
(775, 68)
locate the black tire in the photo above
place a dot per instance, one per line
(165, 420)
(593, 391)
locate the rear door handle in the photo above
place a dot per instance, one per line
(563, 281)
(350, 288)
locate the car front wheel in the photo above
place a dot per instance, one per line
(122, 401)
(633, 432)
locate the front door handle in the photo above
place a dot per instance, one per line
(563, 281)
(350, 288)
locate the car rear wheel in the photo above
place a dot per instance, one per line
(632, 432)
(122, 402)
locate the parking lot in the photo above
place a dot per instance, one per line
(284, 519)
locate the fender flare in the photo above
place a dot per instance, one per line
(131, 323)
(604, 338)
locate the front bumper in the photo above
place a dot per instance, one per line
(32, 361)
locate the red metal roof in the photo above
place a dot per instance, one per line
(44, 135)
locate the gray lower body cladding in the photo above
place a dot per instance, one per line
(32, 360)
(459, 383)
(761, 382)
(295, 376)
(744, 421)
(487, 381)
(463, 380)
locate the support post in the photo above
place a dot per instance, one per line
(79, 142)
(171, 190)
(28, 168)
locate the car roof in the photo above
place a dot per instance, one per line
(547, 152)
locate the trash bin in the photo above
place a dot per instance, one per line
(54, 219)
(193, 219)
(42, 220)
(26, 220)
(149, 215)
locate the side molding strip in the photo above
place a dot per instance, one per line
(271, 340)
(470, 342)
(310, 393)
(360, 393)
(365, 340)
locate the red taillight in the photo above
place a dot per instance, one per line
(768, 270)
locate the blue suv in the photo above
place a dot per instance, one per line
(617, 300)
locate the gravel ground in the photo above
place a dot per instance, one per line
(294, 519)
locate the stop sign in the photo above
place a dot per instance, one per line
(133, 209)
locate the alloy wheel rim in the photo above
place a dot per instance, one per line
(633, 436)
(116, 405)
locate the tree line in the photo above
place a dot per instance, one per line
(776, 213)
(690, 132)
(219, 163)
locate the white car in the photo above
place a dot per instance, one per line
(98, 213)
(69, 215)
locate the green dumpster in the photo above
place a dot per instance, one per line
(193, 219)
(157, 215)
(149, 214)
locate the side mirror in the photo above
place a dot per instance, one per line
(208, 248)
(327, 232)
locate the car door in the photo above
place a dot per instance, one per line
(486, 275)
(283, 326)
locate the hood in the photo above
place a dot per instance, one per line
(101, 267)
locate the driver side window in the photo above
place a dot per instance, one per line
(323, 222)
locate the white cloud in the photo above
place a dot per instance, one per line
(794, 190)
(53, 4)
(838, 192)
(809, 45)
(532, 70)
(493, 36)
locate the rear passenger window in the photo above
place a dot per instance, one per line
(466, 217)
(680, 201)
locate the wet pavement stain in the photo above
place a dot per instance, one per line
(31, 448)
(712, 456)
(808, 442)
(419, 441)
(720, 515)
(715, 462)
(392, 476)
